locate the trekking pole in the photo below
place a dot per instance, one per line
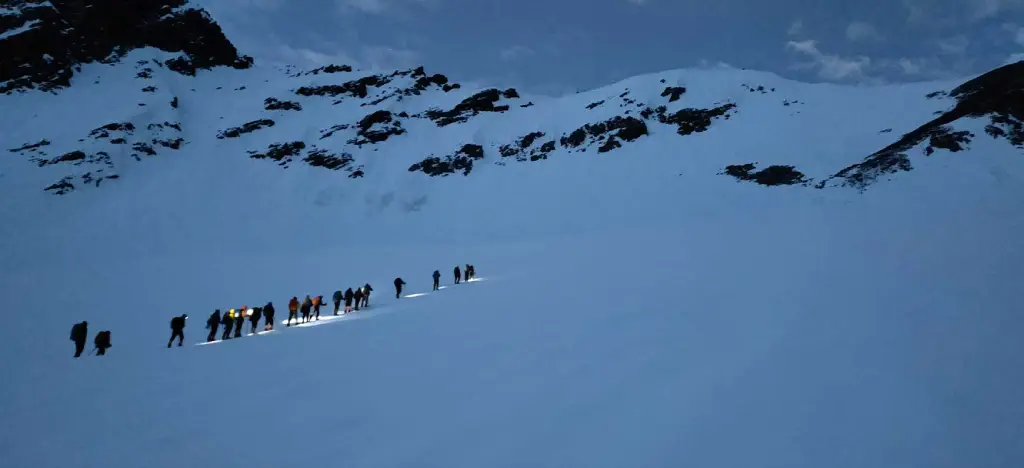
(90, 352)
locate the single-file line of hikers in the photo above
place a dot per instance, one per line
(234, 320)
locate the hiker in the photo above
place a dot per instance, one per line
(79, 333)
(240, 320)
(228, 321)
(338, 296)
(211, 324)
(398, 287)
(348, 300)
(102, 342)
(177, 329)
(458, 274)
(293, 308)
(317, 302)
(268, 314)
(358, 297)
(366, 294)
(254, 319)
(307, 304)
(437, 279)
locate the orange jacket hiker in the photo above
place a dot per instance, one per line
(293, 305)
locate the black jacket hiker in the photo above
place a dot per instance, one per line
(338, 296)
(437, 279)
(398, 287)
(102, 342)
(257, 314)
(268, 315)
(228, 321)
(349, 295)
(358, 296)
(79, 333)
(211, 324)
(177, 329)
(458, 275)
(366, 294)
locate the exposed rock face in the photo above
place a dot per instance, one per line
(280, 152)
(473, 105)
(689, 120)
(525, 148)
(43, 42)
(274, 104)
(673, 93)
(998, 95)
(771, 175)
(248, 127)
(462, 160)
(608, 132)
(377, 127)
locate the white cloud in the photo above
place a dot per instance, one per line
(859, 31)
(516, 52)
(911, 67)
(830, 66)
(1020, 37)
(983, 9)
(388, 58)
(796, 29)
(955, 45)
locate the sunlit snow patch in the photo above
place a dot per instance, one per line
(416, 295)
(209, 342)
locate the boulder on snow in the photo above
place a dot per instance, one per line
(274, 104)
(608, 132)
(247, 127)
(769, 176)
(480, 102)
(462, 160)
(376, 127)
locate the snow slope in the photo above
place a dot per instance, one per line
(638, 307)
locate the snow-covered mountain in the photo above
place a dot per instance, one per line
(693, 267)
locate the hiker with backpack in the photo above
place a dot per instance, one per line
(437, 280)
(268, 314)
(349, 295)
(102, 342)
(358, 296)
(458, 274)
(317, 301)
(307, 304)
(366, 294)
(240, 320)
(254, 319)
(398, 287)
(338, 296)
(293, 308)
(228, 321)
(79, 333)
(177, 329)
(211, 324)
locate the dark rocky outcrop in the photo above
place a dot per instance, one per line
(48, 40)
(330, 69)
(376, 127)
(31, 146)
(462, 160)
(280, 152)
(998, 95)
(673, 93)
(248, 127)
(104, 131)
(592, 105)
(524, 149)
(471, 106)
(769, 176)
(608, 133)
(274, 104)
(689, 121)
(331, 131)
(328, 160)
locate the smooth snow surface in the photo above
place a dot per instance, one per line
(638, 309)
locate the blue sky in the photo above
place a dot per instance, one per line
(558, 46)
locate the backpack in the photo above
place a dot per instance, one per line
(103, 338)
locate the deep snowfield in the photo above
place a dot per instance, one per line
(635, 309)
